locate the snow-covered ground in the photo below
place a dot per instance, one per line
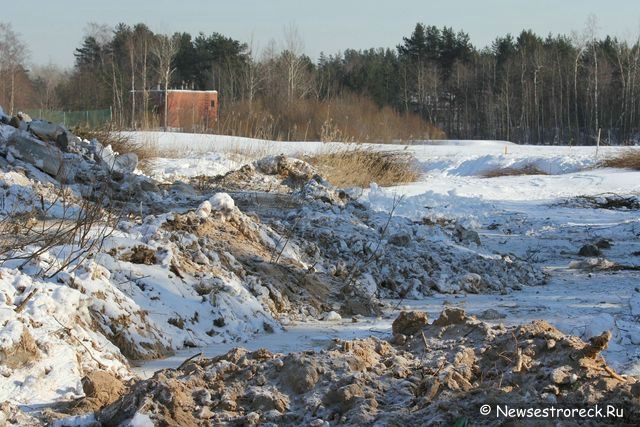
(191, 270)
(544, 219)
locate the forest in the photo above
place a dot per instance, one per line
(555, 90)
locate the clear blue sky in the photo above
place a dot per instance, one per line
(53, 29)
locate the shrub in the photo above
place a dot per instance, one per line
(72, 237)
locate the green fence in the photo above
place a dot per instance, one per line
(88, 118)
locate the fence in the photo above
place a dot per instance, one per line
(88, 118)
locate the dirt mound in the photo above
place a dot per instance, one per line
(271, 174)
(361, 253)
(100, 389)
(242, 246)
(365, 382)
(409, 322)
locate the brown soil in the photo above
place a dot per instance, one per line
(101, 388)
(440, 375)
(142, 255)
(293, 289)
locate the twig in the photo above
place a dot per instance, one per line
(24, 302)
(397, 306)
(68, 331)
(519, 361)
(374, 254)
(441, 366)
(174, 269)
(289, 235)
(71, 230)
(424, 340)
(182, 365)
(614, 374)
(133, 280)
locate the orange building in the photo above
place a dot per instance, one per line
(189, 110)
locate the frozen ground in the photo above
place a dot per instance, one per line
(544, 219)
(189, 261)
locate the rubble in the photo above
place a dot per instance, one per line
(373, 382)
(56, 151)
(45, 157)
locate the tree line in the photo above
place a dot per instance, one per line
(562, 89)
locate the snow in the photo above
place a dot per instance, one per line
(222, 202)
(210, 164)
(141, 420)
(77, 421)
(524, 215)
(56, 312)
(530, 220)
(536, 220)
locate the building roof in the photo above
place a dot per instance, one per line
(177, 90)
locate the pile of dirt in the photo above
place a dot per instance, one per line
(373, 382)
(316, 233)
(269, 174)
(304, 256)
(241, 246)
(101, 389)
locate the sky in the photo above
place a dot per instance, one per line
(54, 29)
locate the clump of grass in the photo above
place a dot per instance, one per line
(628, 159)
(524, 170)
(360, 167)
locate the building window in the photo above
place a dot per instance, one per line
(213, 103)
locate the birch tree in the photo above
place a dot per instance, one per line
(164, 50)
(13, 55)
(296, 65)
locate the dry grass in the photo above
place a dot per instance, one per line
(21, 353)
(347, 118)
(525, 170)
(359, 167)
(628, 159)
